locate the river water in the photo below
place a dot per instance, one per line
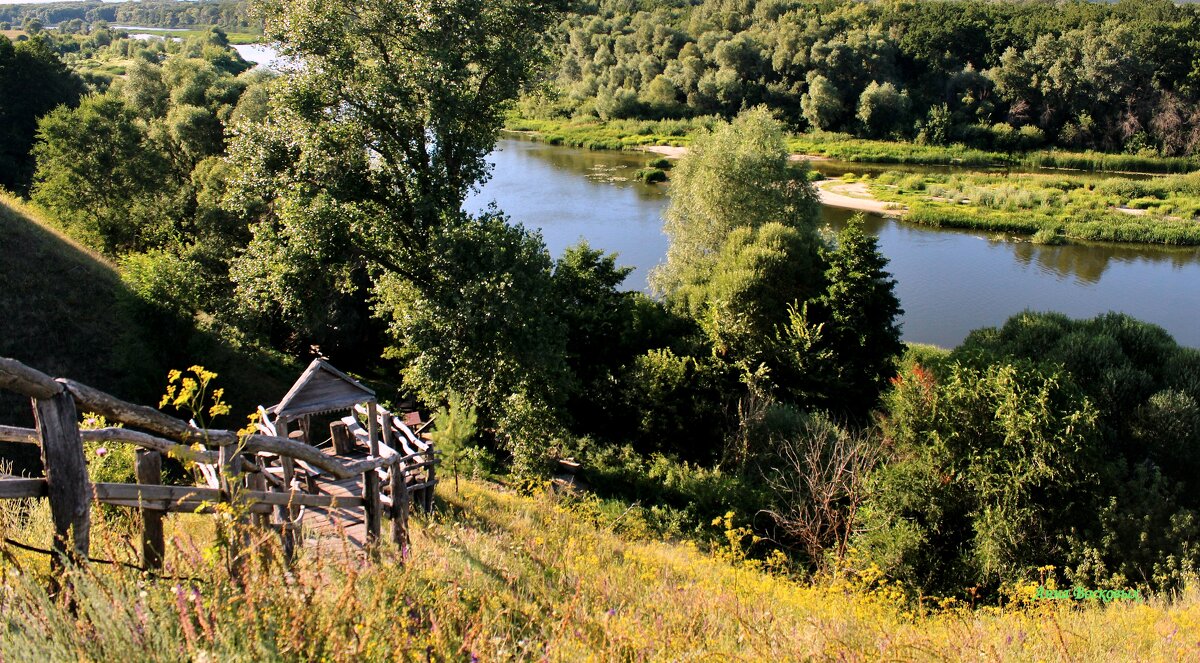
(949, 282)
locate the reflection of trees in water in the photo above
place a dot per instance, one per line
(1088, 262)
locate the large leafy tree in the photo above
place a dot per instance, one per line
(737, 176)
(374, 141)
(34, 81)
(391, 114)
(98, 176)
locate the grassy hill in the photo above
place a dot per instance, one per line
(497, 576)
(65, 311)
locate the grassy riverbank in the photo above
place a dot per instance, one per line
(498, 576)
(633, 134)
(1052, 208)
(235, 38)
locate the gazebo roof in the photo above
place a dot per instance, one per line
(322, 388)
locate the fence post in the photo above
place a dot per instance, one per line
(230, 466)
(430, 481)
(400, 503)
(67, 484)
(372, 506)
(148, 465)
(373, 429)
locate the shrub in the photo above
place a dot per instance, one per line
(991, 466)
(650, 175)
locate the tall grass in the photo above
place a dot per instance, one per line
(1053, 207)
(498, 576)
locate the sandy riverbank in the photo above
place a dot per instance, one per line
(834, 193)
(854, 196)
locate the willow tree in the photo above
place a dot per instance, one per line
(736, 176)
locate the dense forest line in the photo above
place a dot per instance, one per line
(1121, 76)
(228, 14)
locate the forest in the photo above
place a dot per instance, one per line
(758, 404)
(1115, 77)
(228, 14)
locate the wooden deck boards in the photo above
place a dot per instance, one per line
(329, 530)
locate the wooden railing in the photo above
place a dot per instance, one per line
(56, 405)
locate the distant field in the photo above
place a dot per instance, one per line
(234, 37)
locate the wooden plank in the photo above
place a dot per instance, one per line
(19, 435)
(132, 492)
(20, 488)
(66, 475)
(148, 467)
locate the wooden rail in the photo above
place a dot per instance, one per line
(57, 403)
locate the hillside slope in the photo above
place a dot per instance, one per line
(65, 311)
(497, 576)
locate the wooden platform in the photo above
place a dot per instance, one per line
(331, 528)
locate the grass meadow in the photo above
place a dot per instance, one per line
(495, 575)
(632, 134)
(1160, 210)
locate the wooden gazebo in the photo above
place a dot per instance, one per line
(323, 389)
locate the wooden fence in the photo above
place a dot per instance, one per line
(239, 460)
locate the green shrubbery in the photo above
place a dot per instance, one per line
(1047, 442)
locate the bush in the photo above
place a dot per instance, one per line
(650, 175)
(991, 466)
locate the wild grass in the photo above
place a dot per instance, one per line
(631, 134)
(1162, 210)
(499, 576)
(236, 38)
(612, 135)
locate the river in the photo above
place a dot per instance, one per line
(949, 282)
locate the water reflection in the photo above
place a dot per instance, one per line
(949, 281)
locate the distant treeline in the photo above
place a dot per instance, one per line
(229, 14)
(1119, 76)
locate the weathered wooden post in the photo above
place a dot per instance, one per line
(67, 484)
(373, 429)
(343, 441)
(258, 482)
(230, 466)
(148, 466)
(430, 481)
(372, 506)
(400, 503)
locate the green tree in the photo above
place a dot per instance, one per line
(486, 327)
(757, 274)
(99, 177)
(35, 81)
(883, 109)
(457, 424)
(860, 312)
(822, 104)
(735, 176)
(991, 464)
(385, 128)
